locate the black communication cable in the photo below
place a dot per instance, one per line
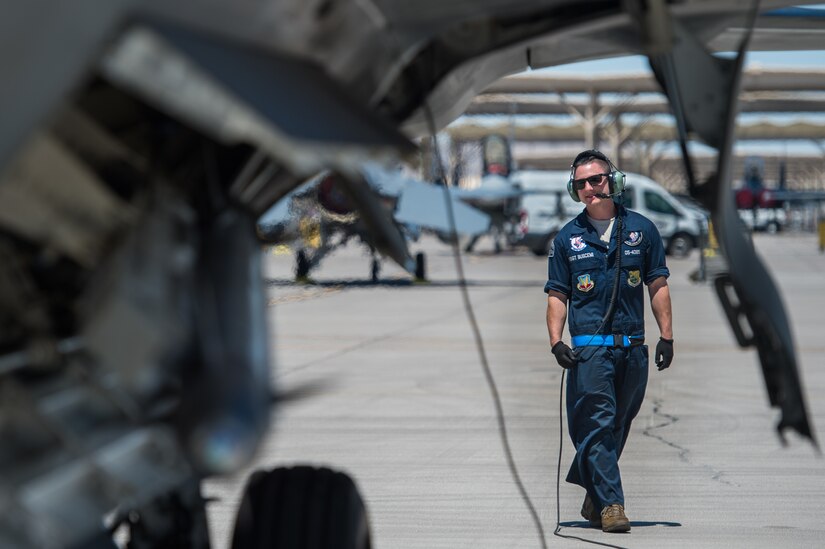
(750, 25)
(614, 294)
(482, 353)
(491, 383)
(557, 531)
(479, 341)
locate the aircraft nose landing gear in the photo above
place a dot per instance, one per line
(301, 507)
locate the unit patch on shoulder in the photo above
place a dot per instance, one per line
(552, 248)
(634, 278)
(577, 244)
(585, 283)
(634, 238)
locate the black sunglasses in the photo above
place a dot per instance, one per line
(578, 184)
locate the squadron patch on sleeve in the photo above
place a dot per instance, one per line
(634, 238)
(577, 244)
(585, 283)
(552, 248)
(634, 278)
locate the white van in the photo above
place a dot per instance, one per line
(550, 207)
(545, 208)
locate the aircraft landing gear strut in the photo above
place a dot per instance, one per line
(302, 265)
(420, 267)
(375, 269)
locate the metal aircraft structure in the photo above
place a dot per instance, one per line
(322, 214)
(141, 142)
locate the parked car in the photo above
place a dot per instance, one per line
(546, 211)
(769, 220)
(681, 227)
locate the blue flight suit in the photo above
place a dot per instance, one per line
(606, 388)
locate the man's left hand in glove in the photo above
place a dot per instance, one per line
(664, 353)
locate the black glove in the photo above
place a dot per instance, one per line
(564, 355)
(664, 353)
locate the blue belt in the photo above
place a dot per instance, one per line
(598, 340)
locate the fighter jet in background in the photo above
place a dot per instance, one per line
(497, 195)
(324, 214)
(142, 140)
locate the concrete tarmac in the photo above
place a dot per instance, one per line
(402, 405)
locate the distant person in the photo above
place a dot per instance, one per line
(608, 364)
(753, 179)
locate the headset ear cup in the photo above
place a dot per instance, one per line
(573, 194)
(617, 179)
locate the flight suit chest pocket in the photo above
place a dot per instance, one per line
(588, 274)
(632, 268)
(632, 257)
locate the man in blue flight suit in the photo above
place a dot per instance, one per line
(603, 291)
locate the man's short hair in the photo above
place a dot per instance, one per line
(590, 155)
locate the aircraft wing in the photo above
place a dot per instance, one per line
(776, 195)
(488, 195)
(386, 182)
(483, 195)
(425, 205)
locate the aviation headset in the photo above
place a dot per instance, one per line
(615, 178)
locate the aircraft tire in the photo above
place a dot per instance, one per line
(680, 245)
(301, 507)
(420, 266)
(543, 249)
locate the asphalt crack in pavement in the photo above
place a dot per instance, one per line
(684, 453)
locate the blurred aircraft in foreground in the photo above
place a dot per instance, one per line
(141, 141)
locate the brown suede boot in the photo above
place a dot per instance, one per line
(590, 514)
(614, 519)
